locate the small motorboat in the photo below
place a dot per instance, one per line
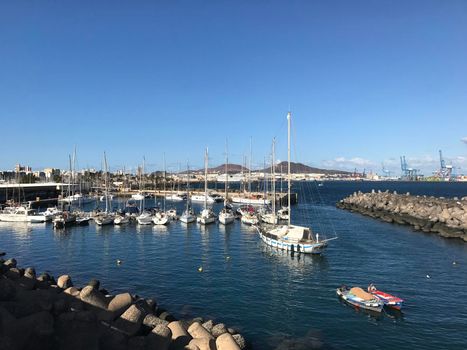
(389, 300)
(82, 220)
(357, 297)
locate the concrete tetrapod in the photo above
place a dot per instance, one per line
(226, 342)
(196, 330)
(180, 337)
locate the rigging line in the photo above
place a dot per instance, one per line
(313, 212)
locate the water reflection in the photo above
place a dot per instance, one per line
(295, 261)
(20, 230)
(160, 229)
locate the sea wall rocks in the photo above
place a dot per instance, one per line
(444, 216)
(40, 313)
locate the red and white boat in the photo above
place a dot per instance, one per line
(388, 299)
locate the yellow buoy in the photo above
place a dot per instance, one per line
(200, 269)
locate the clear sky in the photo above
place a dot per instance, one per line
(366, 81)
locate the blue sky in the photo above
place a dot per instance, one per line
(367, 81)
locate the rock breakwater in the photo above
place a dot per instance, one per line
(444, 216)
(39, 312)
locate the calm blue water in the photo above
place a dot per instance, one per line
(276, 300)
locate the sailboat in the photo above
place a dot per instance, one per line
(106, 217)
(161, 217)
(66, 218)
(207, 215)
(145, 218)
(188, 215)
(270, 217)
(176, 196)
(292, 237)
(226, 216)
(248, 197)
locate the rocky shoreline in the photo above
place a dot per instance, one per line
(44, 313)
(445, 216)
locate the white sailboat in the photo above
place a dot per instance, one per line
(188, 215)
(292, 237)
(226, 216)
(248, 197)
(67, 217)
(22, 214)
(161, 217)
(270, 217)
(105, 218)
(145, 218)
(207, 215)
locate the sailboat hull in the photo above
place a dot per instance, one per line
(299, 247)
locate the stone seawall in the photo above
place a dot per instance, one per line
(444, 216)
(44, 313)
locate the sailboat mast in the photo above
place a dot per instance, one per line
(273, 180)
(289, 116)
(206, 179)
(226, 170)
(249, 170)
(187, 188)
(69, 185)
(165, 180)
(143, 204)
(106, 185)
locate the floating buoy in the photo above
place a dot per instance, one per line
(428, 276)
(454, 263)
(200, 269)
(119, 262)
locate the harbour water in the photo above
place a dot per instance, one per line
(276, 300)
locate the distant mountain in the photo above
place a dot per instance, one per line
(231, 169)
(299, 168)
(295, 168)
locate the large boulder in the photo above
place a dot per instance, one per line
(196, 330)
(64, 282)
(159, 338)
(120, 303)
(180, 336)
(130, 321)
(72, 291)
(30, 273)
(92, 297)
(203, 343)
(208, 325)
(226, 342)
(152, 321)
(10, 262)
(240, 341)
(219, 329)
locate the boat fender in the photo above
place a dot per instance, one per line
(298, 248)
(292, 248)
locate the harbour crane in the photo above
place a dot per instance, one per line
(445, 172)
(408, 174)
(386, 172)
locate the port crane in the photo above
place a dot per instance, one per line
(445, 172)
(408, 174)
(386, 172)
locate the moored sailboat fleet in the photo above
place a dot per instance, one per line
(274, 226)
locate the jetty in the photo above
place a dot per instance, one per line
(41, 312)
(281, 198)
(445, 216)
